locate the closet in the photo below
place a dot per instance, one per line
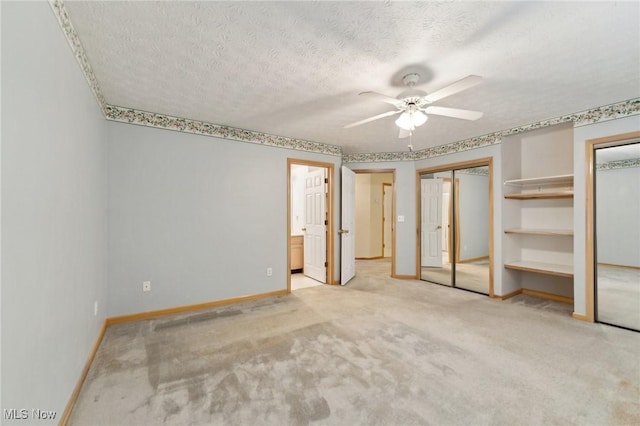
(537, 213)
(454, 207)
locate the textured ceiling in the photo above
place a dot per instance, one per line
(295, 68)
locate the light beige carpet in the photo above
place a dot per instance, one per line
(378, 351)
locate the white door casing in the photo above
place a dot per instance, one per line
(315, 228)
(347, 229)
(431, 222)
(387, 219)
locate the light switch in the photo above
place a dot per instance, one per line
(400, 218)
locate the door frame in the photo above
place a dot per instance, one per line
(486, 161)
(383, 221)
(393, 211)
(329, 206)
(590, 279)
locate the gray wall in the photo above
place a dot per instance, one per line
(201, 218)
(54, 194)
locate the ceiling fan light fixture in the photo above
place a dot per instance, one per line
(405, 121)
(419, 118)
(410, 120)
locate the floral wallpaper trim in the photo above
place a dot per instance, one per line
(150, 119)
(76, 46)
(128, 115)
(603, 113)
(477, 171)
(619, 164)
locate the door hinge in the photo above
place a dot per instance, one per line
(325, 264)
(326, 180)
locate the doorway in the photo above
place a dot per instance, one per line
(374, 217)
(614, 188)
(455, 225)
(310, 242)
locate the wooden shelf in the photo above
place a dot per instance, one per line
(560, 232)
(541, 268)
(547, 180)
(538, 195)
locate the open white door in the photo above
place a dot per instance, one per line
(431, 222)
(315, 228)
(347, 230)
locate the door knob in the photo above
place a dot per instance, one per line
(439, 227)
(343, 231)
(304, 229)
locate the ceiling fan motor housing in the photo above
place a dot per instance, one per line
(411, 79)
(411, 95)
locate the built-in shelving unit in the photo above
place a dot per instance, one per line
(537, 211)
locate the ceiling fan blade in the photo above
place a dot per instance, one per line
(454, 88)
(464, 114)
(403, 134)
(375, 117)
(384, 98)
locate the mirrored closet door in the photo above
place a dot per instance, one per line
(472, 213)
(617, 234)
(455, 228)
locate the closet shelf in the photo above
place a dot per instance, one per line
(546, 180)
(541, 268)
(561, 232)
(538, 195)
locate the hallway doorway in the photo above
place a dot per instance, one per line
(310, 242)
(374, 217)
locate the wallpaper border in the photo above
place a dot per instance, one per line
(150, 119)
(619, 164)
(78, 51)
(133, 116)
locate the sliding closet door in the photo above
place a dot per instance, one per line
(455, 226)
(472, 229)
(436, 233)
(617, 235)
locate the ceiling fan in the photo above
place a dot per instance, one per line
(414, 105)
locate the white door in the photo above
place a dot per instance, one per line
(347, 230)
(431, 222)
(387, 199)
(315, 228)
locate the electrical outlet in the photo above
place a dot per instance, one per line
(146, 286)
(95, 308)
(269, 272)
